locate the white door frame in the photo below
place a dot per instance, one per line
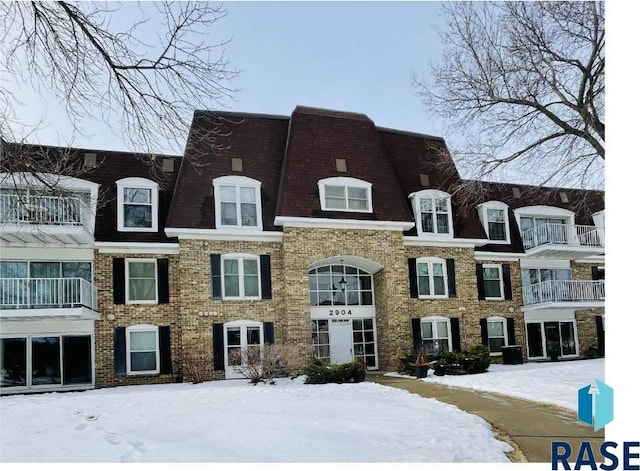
(230, 371)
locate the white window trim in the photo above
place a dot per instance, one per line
(433, 195)
(126, 279)
(598, 218)
(434, 328)
(237, 181)
(499, 267)
(431, 261)
(484, 218)
(241, 257)
(503, 320)
(138, 183)
(346, 182)
(142, 328)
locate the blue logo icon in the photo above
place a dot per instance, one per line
(595, 408)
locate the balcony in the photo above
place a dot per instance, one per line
(563, 241)
(48, 298)
(559, 294)
(30, 218)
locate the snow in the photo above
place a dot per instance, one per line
(553, 382)
(232, 421)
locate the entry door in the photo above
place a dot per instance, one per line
(341, 339)
(242, 342)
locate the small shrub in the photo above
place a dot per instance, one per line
(472, 361)
(319, 372)
(407, 362)
(196, 369)
(272, 361)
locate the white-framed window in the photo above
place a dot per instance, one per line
(432, 277)
(238, 203)
(345, 194)
(241, 276)
(494, 216)
(141, 275)
(432, 210)
(493, 282)
(496, 334)
(436, 334)
(143, 353)
(137, 205)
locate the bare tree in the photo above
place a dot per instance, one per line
(142, 72)
(522, 85)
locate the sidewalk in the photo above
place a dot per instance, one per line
(529, 427)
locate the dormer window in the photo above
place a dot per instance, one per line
(137, 205)
(495, 219)
(345, 194)
(432, 210)
(237, 203)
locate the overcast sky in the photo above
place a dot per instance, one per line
(348, 56)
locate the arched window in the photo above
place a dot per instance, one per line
(137, 205)
(345, 194)
(340, 285)
(238, 203)
(432, 210)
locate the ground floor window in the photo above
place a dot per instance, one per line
(496, 333)
(550, 338)
(46, 360)
(320, 336)
(436, 335)
(143, 355)
(364, 343)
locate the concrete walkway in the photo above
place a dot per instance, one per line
(530, 427)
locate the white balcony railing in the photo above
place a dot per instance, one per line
(563, 291)
(563, 234)
(34, 293)
(16, 208)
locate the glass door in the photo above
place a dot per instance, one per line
(243, 346)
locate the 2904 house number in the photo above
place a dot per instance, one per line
(339, 312)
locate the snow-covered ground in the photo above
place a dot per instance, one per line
(554, 382)
(231, 421)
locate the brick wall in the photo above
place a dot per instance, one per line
(132, 314)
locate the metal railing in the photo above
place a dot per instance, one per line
(563, 291)
(563, 234)
(35, 293)
(17, 208)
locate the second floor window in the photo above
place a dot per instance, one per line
(432, 278)
(241, 277)
(142, 286)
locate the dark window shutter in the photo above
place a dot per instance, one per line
(164, 336)
(600, 334)
(451, 277)
(511, 331)
(216, 278)
(265, 276)
(218, 347)
(455, 334)
(119, 351)
(506, 280)
(480, 278)
(163, 280)
(416, 332)
(597, 273)
(484, 332)
(268, 333)
(118, 281)
(413, 278)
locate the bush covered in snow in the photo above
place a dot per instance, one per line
(474, 360)
(319, 372)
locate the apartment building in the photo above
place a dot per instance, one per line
(317, 229)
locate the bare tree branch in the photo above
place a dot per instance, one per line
(521, 85)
